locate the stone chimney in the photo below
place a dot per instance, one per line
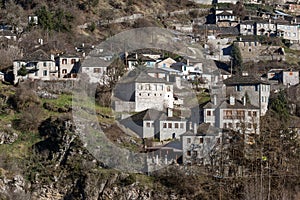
(231, 100)
(169, 112)
(195, 128)
(244, 100)
(215, 99)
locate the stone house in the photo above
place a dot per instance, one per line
(289, 77)
(285, 77)
(254, 50)
(265, 27)
(165, 63)
(225, 18)
(135, 58)
(198, 143)
(152, 123)
(95, 68)
(138, 91)
(288, 31)
(68, 66)
(38, 65)
(8, 34)
(247, 27)
(1, 76)
(231, 114)
(226, 1)
(256, 90)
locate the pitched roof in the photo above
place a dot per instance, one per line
(204, 129)
(237, 105)
(244, 80)
(141, 76)
(225, 13)
(38, 55)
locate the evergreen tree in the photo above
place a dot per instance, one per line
(237, 58)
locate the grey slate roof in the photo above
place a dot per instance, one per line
(244, 80)
(38, 55)
(204, 129)
(225, 13)
(237, 105)
(140, 76)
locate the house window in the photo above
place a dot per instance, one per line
(176, 125)
(208, 113)
(148, 124)
(73, 61)
(254, 113)
(188, 153)
(45, 73)
(207, 140)
(256, 87)
(168, 89)
(97, 70)
(164, 125)
(64, 61)
(64, 71)
(238, 88)
(181, 125)
(140, 94)
(36, 73)
(201, 140)
(249, 113)
(45, 64)
(240, 114)
(227, 114)
(147, 87)
(230, 125)
(249, 125)
(169, 125)
(195, 153)
(224, 125)
(188, 140)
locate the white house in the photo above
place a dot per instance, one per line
(289, 77)
(68, 66)
(231, 114)
(227, 1)
(166, 63)
(256, 89)
(95, 68)
(247, 27)
(198, 143)
(138, 91)
(224, 15)
(288, 31)
(38, 65)
(152, 123)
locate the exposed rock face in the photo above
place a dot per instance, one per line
(7, 136)
(13, 188)
(61, 168)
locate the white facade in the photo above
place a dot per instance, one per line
(42, 70)
(66, 64)
(288, 31)
(153, 95)
(290, 77)
(227, 1)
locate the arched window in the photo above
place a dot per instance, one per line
(64, 71)
(64, 61)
